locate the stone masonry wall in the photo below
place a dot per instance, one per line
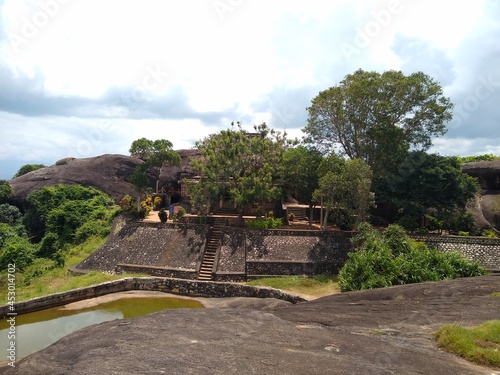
(176, 250)
(484, 250)
(282, 252)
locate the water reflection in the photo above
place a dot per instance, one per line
(39, 329)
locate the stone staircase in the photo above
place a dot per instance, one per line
(213, 243)
(298, 211)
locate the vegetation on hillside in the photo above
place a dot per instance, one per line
(391, 257)
(42, 236)
(476, 158)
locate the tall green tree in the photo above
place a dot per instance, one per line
(300, 169)
(155, 155)
(378, 117)
(247, 167)
(344, 190)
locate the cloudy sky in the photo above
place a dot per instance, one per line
(84, 77)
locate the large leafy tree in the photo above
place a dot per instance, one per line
(378, 117)
(244, 166)
(344, 190)
(155, 154)
(300, 168)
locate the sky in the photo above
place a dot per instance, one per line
(81, 78)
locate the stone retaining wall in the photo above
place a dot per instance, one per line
(176, 250)
(484, 250)
(192, 288)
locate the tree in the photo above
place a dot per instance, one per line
(5, 191)
(428, 181)
(244, 166)
(378, 117)
(10, 214)
(155, 154)
(300, 166)
(344, 189)
(28, 168)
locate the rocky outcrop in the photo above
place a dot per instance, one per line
(486, 209)
(487, 172)
(108, 173)
(378, 331)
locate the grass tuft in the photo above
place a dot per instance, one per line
(317, 286)
(480, 344)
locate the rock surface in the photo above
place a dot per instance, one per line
(380, 331)
(107, 173)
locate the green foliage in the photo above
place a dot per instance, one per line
(424, 182)
(28, 168)
(66, 214)
(155, 154)
(5, 190)
(344, 188)
(264, 223)
(378, 117)
(393, 258)
(18, 250)
(245, 167)
(476, 158)
(490, 233)
(478, 344)
(301, 172)
(179, 214)
(10, 214)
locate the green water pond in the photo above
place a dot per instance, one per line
(37, 330)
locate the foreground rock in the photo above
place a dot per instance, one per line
(383, 331)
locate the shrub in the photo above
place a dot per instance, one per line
(179, 214)
(17, 250)
(393, 258)
(264, 223)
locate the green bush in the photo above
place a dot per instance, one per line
(264, 223)
(393, 258)
(179, 214)
(17, 250)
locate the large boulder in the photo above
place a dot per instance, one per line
(107, 173)
(486, 209)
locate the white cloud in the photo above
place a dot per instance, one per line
(174, 70)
